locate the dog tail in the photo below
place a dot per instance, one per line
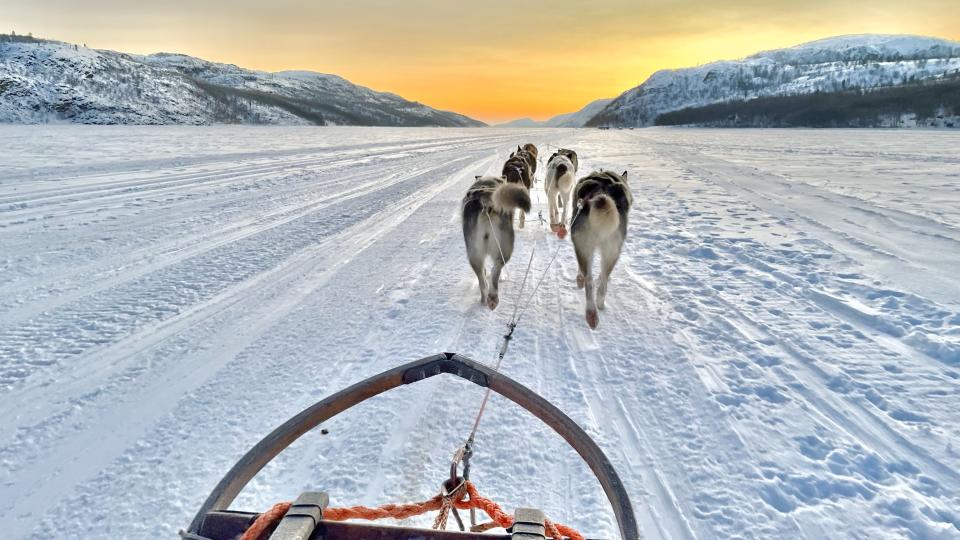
(604, 217)
(509, 196)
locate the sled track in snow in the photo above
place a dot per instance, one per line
(366, 183)
(760, 369)
(256, 303)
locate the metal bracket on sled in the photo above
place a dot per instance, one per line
(303, 517)
(528, 524)
(274, 443)
(451, 363)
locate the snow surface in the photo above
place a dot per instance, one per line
(779, 356)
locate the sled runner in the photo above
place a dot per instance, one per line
(310, 517)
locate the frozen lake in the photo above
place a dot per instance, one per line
(779, 356)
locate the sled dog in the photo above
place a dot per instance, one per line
(488, 229)
(561, 175)
(531, 149)
(517, 171)
(600, 224)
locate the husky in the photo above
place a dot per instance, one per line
(561, 174)
(531, 149)
(488, 229)
(600, 223)
(517, 171)
(529, 154)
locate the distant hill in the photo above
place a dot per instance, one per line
(574, 119)
(50, 81)
(928, 104)
(521, 123)
(841, 65)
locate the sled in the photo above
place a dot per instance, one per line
(304, 518)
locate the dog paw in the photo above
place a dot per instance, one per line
(580, 280)
(493, 301)
(592, 319)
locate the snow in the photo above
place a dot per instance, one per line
(856, 46)
(778, 357)
(834, 64)
(45, 81)
(573, 119)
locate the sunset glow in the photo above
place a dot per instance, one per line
(494, 61)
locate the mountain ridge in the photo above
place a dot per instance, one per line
(834, 64)
(571, 119)
(52, 81)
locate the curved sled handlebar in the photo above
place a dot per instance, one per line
(274, 443)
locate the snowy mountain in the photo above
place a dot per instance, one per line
(858, 62)
(934, 104)
(581, 117)
(49, 81)
(522, 123)
(574, 119)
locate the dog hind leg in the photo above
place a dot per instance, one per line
(501, 257)
(562, 197)
(609, 254)
(585, 281)
(552, 204)
(493, 294)
(477, 263)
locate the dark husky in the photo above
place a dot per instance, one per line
(600, 224)
(533, 153)
(488, 229)
(516, 170)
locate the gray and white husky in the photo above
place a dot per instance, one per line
(600, 224)
(561, 175)
(488, 229)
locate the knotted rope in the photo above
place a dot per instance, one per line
(465, 497)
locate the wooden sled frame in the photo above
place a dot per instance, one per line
(451, 363)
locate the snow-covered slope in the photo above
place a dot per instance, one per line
(581, 117)
(779, 357)
(49, 81)
(574, 119)
(521, 123)
(826, 65)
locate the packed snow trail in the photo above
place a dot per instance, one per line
(779, 356)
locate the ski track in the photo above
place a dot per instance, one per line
(779, 356)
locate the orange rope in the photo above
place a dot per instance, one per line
(266, 520)
(402, 511)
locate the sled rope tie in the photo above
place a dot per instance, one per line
(493, 232)
(466, 448)
(544, 275)
(457, 499)
(511, 326)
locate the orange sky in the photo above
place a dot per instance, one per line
(495, 60)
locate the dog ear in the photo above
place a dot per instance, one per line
(519, 149)
(477, 177)
(624, 175)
